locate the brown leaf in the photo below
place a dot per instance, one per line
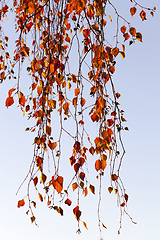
(40, 197)
(43, 178)
(92, 188)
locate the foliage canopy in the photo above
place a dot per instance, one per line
(47, 33)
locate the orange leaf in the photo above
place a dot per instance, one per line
(58, 183)
(22, 99)
(85, 191)
(74, 101)
(74, 186)
(40, 197)
(9, 101)
(123, 29)
(48, 130)
(77, 91)
(83, 101)
(43, 178)
(98, 165)
(92, 150)
(132, 31)
(112, 69)
(39, 90)
(133, 10)
(143, 15)
(10, 91)
(114, 177)
(21, 203)
(115, 51)
(85, 225)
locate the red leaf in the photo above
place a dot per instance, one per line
(123, 204)
(126, 197)
(68, 202)
(110, 122)
(35, 180)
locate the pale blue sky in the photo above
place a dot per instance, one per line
(137, 79)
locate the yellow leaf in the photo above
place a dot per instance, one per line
(110, 18)
(85, 225)
(122, 54)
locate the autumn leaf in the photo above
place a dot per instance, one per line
(82, 176)
(35, 180)
(126, 197)
(110, 189)
(22, 99)
(85, 225)
(92, 188)
(43, 178)
(68, 202)
(58, 183)
(82, 102)
(112, 69)
(76, 167)
(114, 177)
(133, 10)
(33, 219)
(48, 130)
(77, 91)
(132, 31)
(60, 210)
(123, 29)
(21, 203)
(143, 15)
(74, 186)
(85, 191)
(123, 204)
(92, 150)
(139, 36)
(40, 197)
(9, 101)
(115, 51)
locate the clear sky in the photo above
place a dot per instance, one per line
(137, 79)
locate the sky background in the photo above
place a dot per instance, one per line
(137, 79)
